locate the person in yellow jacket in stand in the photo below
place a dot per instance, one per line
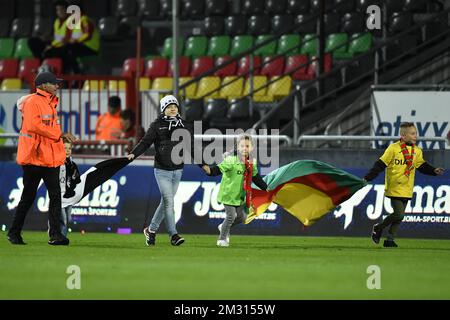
(40, 152)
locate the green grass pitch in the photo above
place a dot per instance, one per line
(253, 267)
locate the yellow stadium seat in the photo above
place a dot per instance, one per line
(278, 89)
(258, 82)
(11, 84)
(163, 83)
(94, 85)
(189, 91)
(115, 85)
(144, 84)
(207, 85)
(232, 90)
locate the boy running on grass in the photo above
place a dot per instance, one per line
(400, 161)
(238, 171)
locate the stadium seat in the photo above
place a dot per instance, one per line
(55, 64)
(149, 9)
(215, 7)
(315, 6)
(157, 67)
(21, 50)
(128, 27)
(309, 45)
(190, 90)
(332, 22)
(165, 8)
(144, 84)
(394, 6)
(305, 23)
(4, 27)
(252, 7)
(8, 68)
(184, 66)
(125, 8)
(117, 85)
(289, 44)
(201, 65)
(162, 83)
(336, 44)
(361, 5)
(167, 49)
(399, 21)
(193, 109)
(239, 109)
(129, 67)
(344, 6)
(235, 25)
(94, 85)
(11, 84)
(192, 9)
(196, 47)
(6, 48)
(258, 82)
(28, 69)
(228, 70)
(353, 22)
(21, 28)
(275, 6)
(240, 44)
(214, 26)
(272, 66)
(108, 27)
(360, 43)
(258, 25)
(219, 46)
(297, 67)
(314, 64)
(268, 49)
(282, 23)
(233, 89)
(279, 87)
(206, 86)
(295, 7)
(42, 27)
(244, 65)
(215, 109)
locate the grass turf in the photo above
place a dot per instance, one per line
(253, 267)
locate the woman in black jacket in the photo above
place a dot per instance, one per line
(167, 171)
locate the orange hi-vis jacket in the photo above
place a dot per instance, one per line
(108, 127)
(40, 142)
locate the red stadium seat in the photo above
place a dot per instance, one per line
(314, 65)
(244, 65)
(157, 67)
(8, 68)
(294, 63)
(28, 69)
(228, 70)
(272, 68)
(184, 67)
(55, 64)
(201, 65)
(129, 67)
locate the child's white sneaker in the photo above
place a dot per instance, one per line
(222, 243)
(220, 230)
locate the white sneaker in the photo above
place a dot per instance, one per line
(220, 229)
(222, 243)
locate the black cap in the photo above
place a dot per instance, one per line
(46, 77)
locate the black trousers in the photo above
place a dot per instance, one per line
(32, 175)
(69, 54)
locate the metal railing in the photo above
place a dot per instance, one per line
(360, 138)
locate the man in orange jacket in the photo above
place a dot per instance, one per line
(40, 152)
(108, 125)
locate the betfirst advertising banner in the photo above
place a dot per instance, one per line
(78, 112)
(429, 110)
(127, 202)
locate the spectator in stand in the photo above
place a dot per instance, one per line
(130, 131)
(108, 125)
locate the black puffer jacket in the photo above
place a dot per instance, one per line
(160, 133)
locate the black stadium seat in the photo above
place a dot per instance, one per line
(193, 109)
(216, 7)
(275, 6)
(415, 6)
(295, 7)
(399, 21)
(165, 9)
(361, 5)
(282, 23)
(306, 23)
(315, 6)
(214, 26)
(394, 6)
(126, 8)
(192, 9)
(148, 8)
(43, 27)
(215, 109)
(239, 109)
(108, 27)
(252, 7)
(344, 6)
(235, 25)
(353, 22)
(258, 25)
(21, 28)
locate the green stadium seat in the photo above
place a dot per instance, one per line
(268, 49)
(22, 51)
(336, 44)
(360, 43)
(196, 47)
(219, 46)
(240, 44)
(167, 48)
(6, 48)
(309, 45)
(289, 44)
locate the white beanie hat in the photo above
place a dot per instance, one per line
(166, 101)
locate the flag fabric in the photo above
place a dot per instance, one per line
(307, 189)
(93, 178)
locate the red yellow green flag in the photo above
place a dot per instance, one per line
(307, 189)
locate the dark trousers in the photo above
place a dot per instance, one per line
(69, 54)
(393, 220)
(32, 175)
